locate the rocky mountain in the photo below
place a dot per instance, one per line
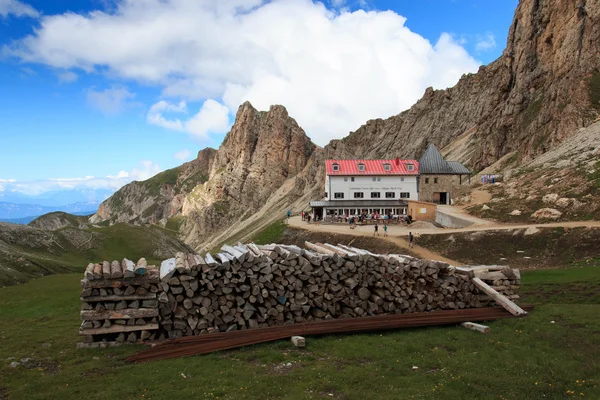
(543, 88)
(57, 220)
(158, 198)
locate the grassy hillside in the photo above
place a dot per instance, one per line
(526, 358)
(26, 252)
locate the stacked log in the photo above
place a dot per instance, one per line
(252, 286)
(119, 303)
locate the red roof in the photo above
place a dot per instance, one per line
(371, 167)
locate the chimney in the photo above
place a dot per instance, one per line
(397, 161)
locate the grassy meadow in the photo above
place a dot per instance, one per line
(553, 353)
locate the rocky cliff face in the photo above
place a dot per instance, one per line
(543, 88)
(261, 152)
(158, 198)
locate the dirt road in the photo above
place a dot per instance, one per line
(399, 234)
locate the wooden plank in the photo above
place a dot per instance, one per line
(119, 328)
(210, 261)
(149, 296)
(499, 298)
(240, 256)
(106, 283)
(319, 249)
(167, 269)
(127, 313)
(476, 327)
(97, 345)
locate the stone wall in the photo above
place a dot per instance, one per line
(445, 183)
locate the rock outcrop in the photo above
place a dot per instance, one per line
(262, 151)
(58, 220)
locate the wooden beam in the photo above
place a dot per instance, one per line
(119, 328)
(89, 272)
(499, 298)
(127, 267)
(127, 313)
(167, 269)
(115, 270)
(107, 283)
(149, 296)
(140, 267)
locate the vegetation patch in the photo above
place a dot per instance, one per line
(271, 234)
(549, 248)
(168, 177)
(532, 111)
(594, 89)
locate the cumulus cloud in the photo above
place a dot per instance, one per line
(333, 70)
(486, 42)
(182, 155)
(213, 117)
(17, 8)
(146, 169)
(110, 101)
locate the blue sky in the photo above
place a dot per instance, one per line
(97, 93)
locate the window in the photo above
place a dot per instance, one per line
(375, 195)
(390, 195)
(374, 179)
(326, 195)
(410, 167)
(338, 195)
(387, 167)
(434, 180)
(426, 180)
(359, 195)
(377, 178)
(361, 167)
(352, 179)
(404, 195)
(336, 167)
(345, 179)
(401, 179)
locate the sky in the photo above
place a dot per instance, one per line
(97, 93)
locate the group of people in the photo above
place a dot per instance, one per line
(307, 217)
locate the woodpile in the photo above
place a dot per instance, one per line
(119, 303)
(252, 286)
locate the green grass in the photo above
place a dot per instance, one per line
(168, 177)
(527, 358)
(271, 234)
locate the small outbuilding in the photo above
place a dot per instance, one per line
(421, 210)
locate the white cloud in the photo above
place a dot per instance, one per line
(145, 170)
(213, 117)
(17, 8)
(333, 70)
(486, 42)
(110, 101)
(182, 155)
(68, 77)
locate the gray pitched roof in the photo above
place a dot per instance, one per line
(458, 168)
(432, 162)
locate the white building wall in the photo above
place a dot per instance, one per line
(366, 184)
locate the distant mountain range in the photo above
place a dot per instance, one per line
(25, 213)
(56, 198)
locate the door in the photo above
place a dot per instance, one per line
(444, 198)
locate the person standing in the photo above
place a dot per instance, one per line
(411, 238)
(385, 230)
(376, 232)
